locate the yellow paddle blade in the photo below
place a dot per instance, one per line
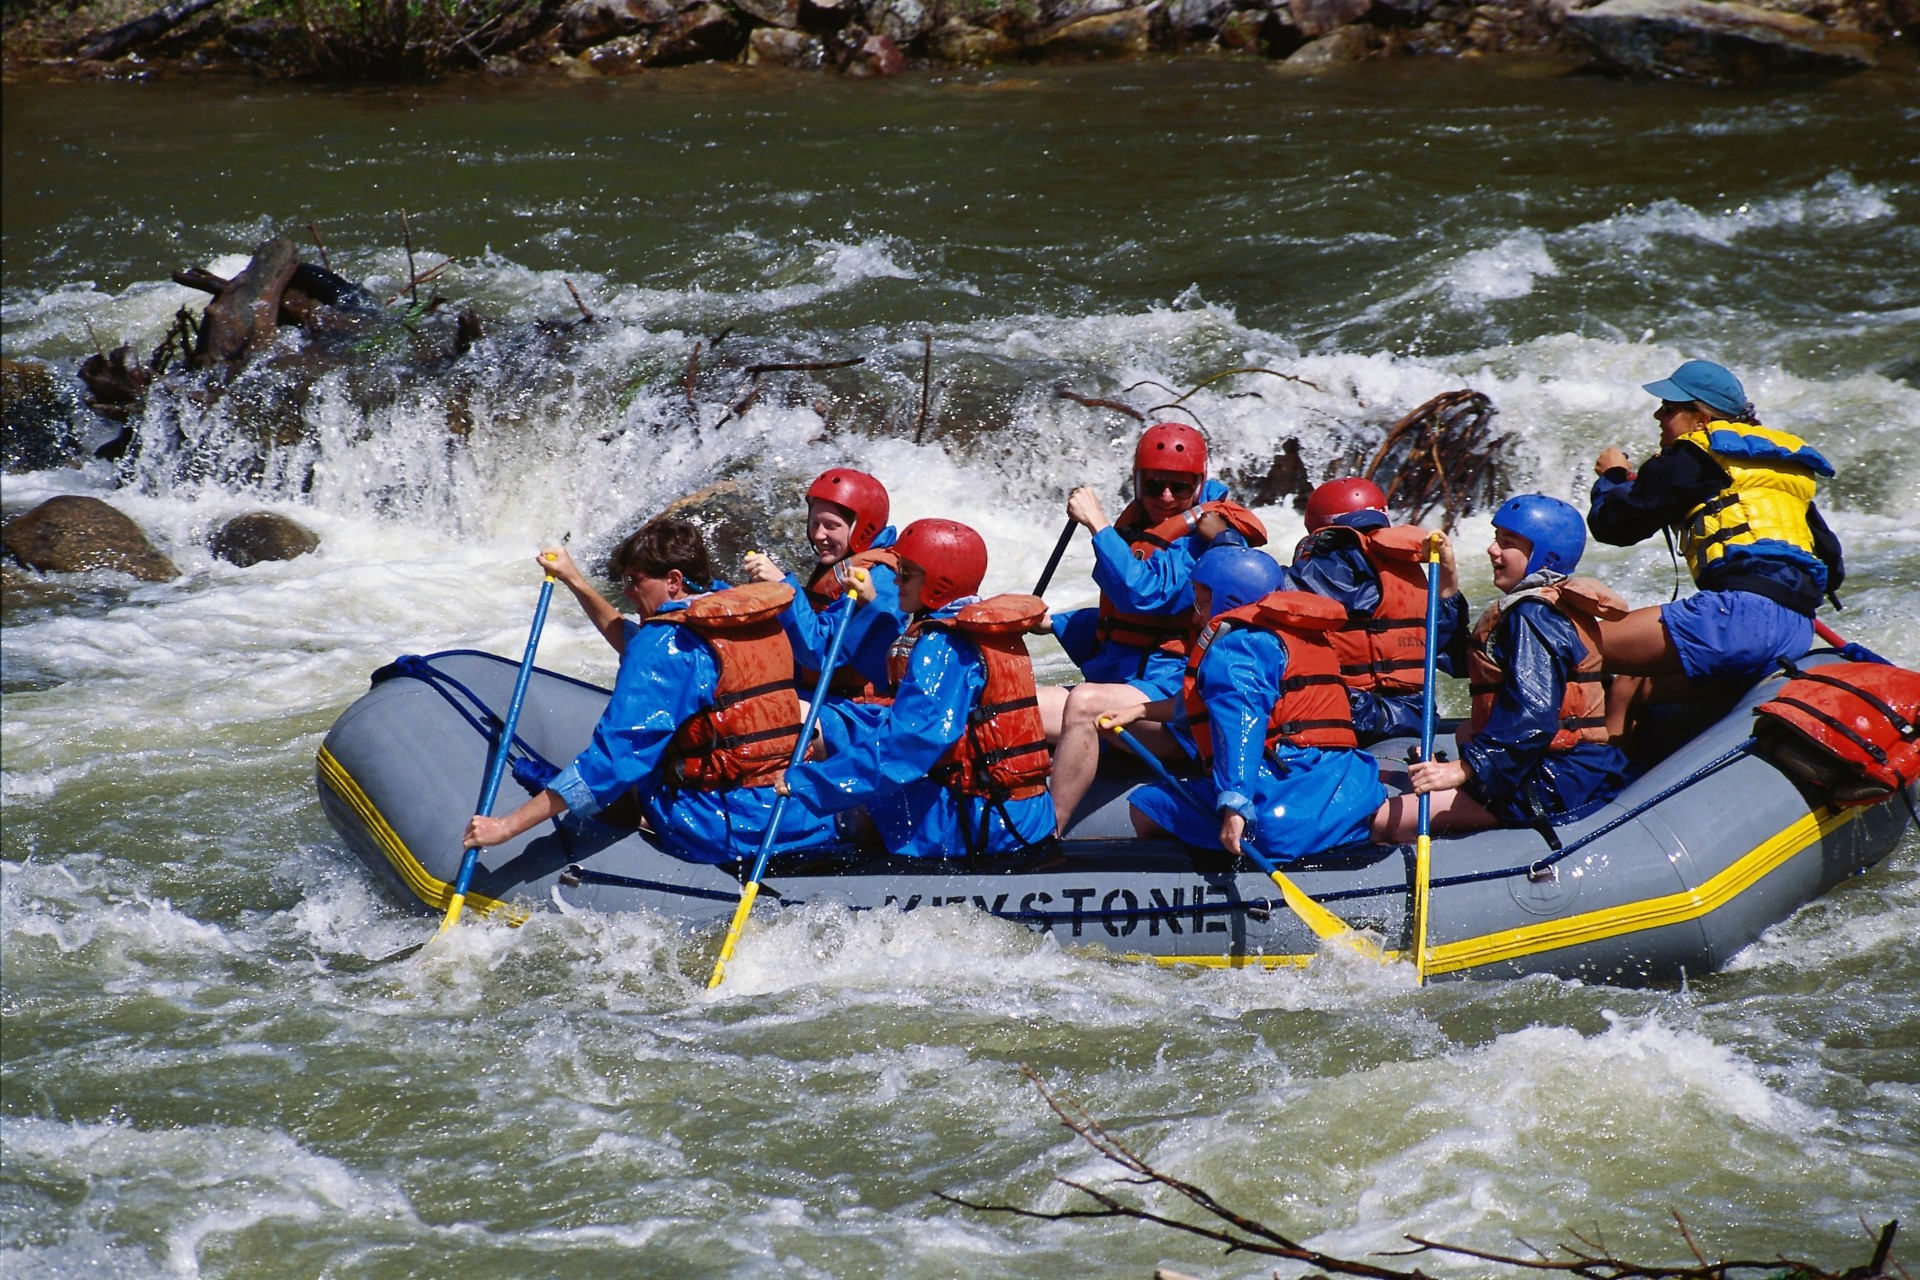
(1325, 925)
(454, 904)
(747, 895)
(1422, 873)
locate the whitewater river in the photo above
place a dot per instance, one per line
(202, 1075)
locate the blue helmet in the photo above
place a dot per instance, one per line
(1237, 576)
(1555, 529)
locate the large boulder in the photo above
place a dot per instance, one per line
(700, 33)
(736, 517)
(1104, 35)
(777, 47)
(1315, 18)
(901, 21)
(261, 535)
(591, 22)
(1348, 44)
(961, 42)
(73, 534)
(37, 410)
(874, 56)
(1715, 43)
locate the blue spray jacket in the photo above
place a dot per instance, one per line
(870, 634)
(885, 763)
(1512, 772)
(1338, 570)
(667, 675)
(1296, 800)
(1162, 584)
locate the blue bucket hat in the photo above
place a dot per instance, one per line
(1703, 380)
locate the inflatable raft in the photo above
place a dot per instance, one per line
(1687, 866)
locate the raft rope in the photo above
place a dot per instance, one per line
(530, 769)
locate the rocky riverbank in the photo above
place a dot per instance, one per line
(1699, 40)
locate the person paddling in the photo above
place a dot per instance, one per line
(1536, 747)
(1740, 495)
(957, 762)
(703, 714)
(1132, 647)
(1356, 556)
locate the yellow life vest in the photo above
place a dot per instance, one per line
(1763, 512)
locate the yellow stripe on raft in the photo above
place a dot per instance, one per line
(1593, 926)
(418, 879)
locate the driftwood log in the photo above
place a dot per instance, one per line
(111, 44)
(245, 316)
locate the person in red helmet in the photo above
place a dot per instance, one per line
(847, 525)
(1132, 647)
(957, 763)
(1354, 555)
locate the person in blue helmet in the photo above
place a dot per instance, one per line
(847, 526)
(1263, 707)
(1536, 747)
(957, 763)
(1132, 647)
(703, 717)
(1740, 496)
(1353, 554)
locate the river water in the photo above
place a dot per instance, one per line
(202, 1076)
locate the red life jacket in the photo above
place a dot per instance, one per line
(828, 584)
(1583, 703)
(1003, 754)
(1312, 709)
(1851, 728)
(747, 736)
(1386, 651)
(1165, 631)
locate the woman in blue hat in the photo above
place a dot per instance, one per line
(1740, 497)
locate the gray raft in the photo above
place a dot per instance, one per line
(1687, 866)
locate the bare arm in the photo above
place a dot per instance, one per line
(484, 831)
(600, 612)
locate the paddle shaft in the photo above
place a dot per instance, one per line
(1423, 846)
(751, 889)
(498, 767)
(1828, 634)
(1316, 917)
(1053, 561)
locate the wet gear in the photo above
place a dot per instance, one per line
(1852, 729)
(863, 497)
(746, 736)
(1558, 534)
(1236, 576)
(1311, 709)
(1583, 700)
(1384, 649)
(1343, 497)
(1762, 512)
(1165, 631)
(1003, 755)
(1171, 447)
(952, 555)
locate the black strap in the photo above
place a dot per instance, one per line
(722, 701)
(1901, 725)
(1838, 726)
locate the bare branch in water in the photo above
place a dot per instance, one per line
(1095, 402)
(314, 230)
(1587, 1259)
(926, 388)
(1176, 405)
(755, 370)
(578, 301)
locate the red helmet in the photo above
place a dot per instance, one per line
(863, 496)
(1171, 446)
(953, 556)
(1343, 497)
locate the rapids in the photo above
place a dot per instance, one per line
(203, 1077)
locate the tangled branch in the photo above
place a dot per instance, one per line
(1586, 1258)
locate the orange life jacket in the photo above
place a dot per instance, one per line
(747, 736)
(1583, 703)
(1165, 631)
(828, 584)
(1386, 651)
(1850, 728)
(1312, 709)
(1003, 754)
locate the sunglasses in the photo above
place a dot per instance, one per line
(1178, 488)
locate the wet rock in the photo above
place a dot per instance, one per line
(737, 517)
(776, 13)
(1315, 18)
(261, 535)
(776, 47)
(901, 21)
(1198, 18)
(1242, 31)
(1716, 43)
(589, 22)
(617, 57)
(1348, 44)
(875, 56)
(37, 409)
(962, 42)
(73, 533)
(1104, 35)
(703, 33)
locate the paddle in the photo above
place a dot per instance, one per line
(1053, 561)
(1848, 649)
(1423, 847)
(751, 890)
(1324, 923)
(498, 768)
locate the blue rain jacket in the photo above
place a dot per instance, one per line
(666, 675)
(1162, 583)
(884, 755)
(869, 636)
(1311, 800)
(1513, 774)
(1338, 570)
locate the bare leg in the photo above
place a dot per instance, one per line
(1144, 827)
(1053, 708)
(1398, 820)
(1076, 758)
